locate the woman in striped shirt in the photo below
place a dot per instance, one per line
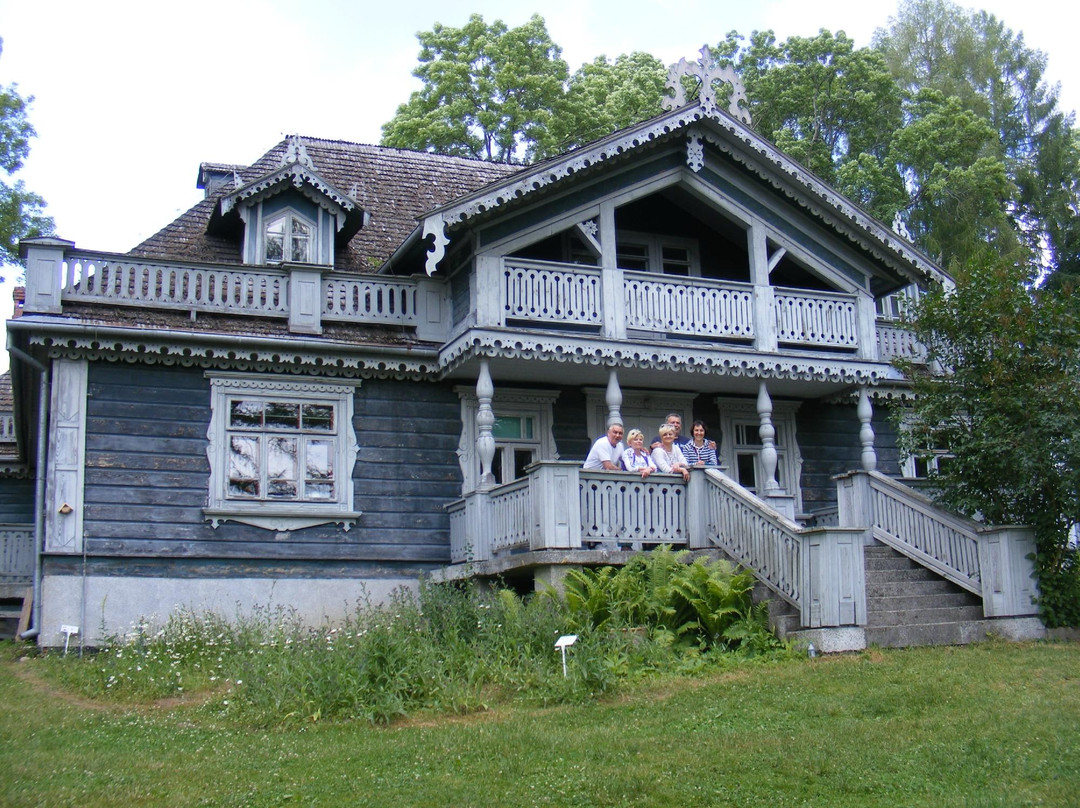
(700, 451)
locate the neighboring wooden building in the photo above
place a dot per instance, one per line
(349, 366)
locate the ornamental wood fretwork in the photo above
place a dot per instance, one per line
(711, 81)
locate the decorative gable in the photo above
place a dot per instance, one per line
(291, 214)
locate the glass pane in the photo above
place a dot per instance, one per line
(243, 466)
(318, 417)
(507, 428)
(633, 256)
(275, 241)
(747, 471)
(319, 490)
(527, 429)
(522, 458)
(281, 415)
(281, 458)
(245, 413)
(301, 239)
(319, 460)
(282, 489)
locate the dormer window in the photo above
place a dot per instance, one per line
(288, 238)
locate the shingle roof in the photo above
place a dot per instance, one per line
(395, 186)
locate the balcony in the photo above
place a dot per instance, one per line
(510, 293)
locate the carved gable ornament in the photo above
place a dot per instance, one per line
(716, 84)
(298, 170)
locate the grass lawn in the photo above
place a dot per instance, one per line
(994, 724)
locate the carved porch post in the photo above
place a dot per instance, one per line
(866, 431)
(764, 297)
(768, 438)
(613, 397)
(485, 420)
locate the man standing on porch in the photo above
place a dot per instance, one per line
(607, 450)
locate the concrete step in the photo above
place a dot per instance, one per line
(914, 574)
(952, 633)
(909, 587)
(921, 616)
(947, 600)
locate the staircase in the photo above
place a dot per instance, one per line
(15, 601)
(907, 604)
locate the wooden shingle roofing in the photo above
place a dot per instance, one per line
(395, 186)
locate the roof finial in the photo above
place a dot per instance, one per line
(296, 153)
(711, 77)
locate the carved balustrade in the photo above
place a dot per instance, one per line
(689, 307)
(816, 319)
(898, 342)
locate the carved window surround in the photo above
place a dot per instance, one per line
(328, 446)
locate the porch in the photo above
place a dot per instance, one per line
(561, 515)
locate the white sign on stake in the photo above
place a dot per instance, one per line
(564, 642)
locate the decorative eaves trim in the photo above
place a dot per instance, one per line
(836, 209)
(302, 178)
(283, 359)
(488, 344)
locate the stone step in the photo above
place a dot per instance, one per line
(910, 588)
(947, 600)
(913, 574)
(951, 633)
(890, 562)
(920, 616)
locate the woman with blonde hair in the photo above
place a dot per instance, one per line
(637, 457)
(669, 457)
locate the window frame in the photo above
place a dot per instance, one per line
(654, 245)
(288, 216)
(263, 511)
(736, 412)
(507, 403)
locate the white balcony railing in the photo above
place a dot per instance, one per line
(525, 292)
(253, 291)
(689, 307)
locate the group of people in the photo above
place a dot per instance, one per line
(669, 451)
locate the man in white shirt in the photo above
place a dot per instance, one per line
(607, 450)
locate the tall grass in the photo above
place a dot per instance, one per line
(445, 648)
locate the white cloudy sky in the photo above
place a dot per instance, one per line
(131, 96)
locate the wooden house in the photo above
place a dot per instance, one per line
(349, 366)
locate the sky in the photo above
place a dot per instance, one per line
(130, 97)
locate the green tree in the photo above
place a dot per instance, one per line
(490, 92)
(820, 99)
(604, 96)
(1004, 403)
(21, 212)
(958, 183)
(974, 58)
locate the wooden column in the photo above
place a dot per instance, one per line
(764, 299)
(611, 277)
(866, 431)
(485, 420)
(768, 438)
(613, 397)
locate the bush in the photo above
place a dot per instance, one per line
(444, 648)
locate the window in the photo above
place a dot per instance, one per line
(670, 255)
(740, 445)
(288, 238)
(281, 452)
(517, 444)
(522, 432)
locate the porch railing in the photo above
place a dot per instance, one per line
(991, 562)
(16, 554)
(755, 536)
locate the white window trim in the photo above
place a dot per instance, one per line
(739, 410)
(273, 515)
(506, 402)
(288, 215)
